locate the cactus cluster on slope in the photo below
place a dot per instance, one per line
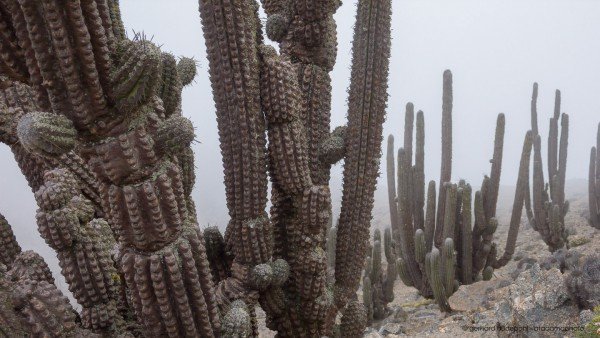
(377, 283)
(440, 248)
(547, 206)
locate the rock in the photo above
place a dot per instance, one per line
(397, 315)
(391, 328)
(585, 316)
(371, 333)
(538, 298)
(474, 297)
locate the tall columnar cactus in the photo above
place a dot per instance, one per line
(378, 285)
(437, 255)
(118, 100)
(85, 106)
(293, 89)
(594, 184)
(549, 207)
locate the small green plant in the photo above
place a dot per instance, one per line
(592, 329)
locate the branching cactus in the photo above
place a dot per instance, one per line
(436, 255)
(116, 102)
(65, 221)
(549, 207)
(288, 95)
(378, 285)
(594, 184)
(94, 119)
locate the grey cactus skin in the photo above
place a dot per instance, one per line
(547, 211)
(437, 255)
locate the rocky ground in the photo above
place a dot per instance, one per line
(529, 293)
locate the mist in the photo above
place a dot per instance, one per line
(495, 49)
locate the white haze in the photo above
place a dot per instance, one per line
(496, 49)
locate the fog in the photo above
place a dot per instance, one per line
(496, 49)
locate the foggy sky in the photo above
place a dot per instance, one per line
(496, 49)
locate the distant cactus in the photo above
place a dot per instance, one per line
(437, 255)
(594, 184)
(94, 120)
(378, 285)
(549, 207)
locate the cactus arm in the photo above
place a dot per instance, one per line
(492, 197)
(407, 231)
(118, 27)
(562, 159)
(592, 200)
(597, 180)
(10, 246)
(433, 264)
(448, 262)
(230, 34)
(367, 103)
(409, 119)
(419, 173)
(450, 213)
(518, 202)
(538, 188)
(534, 116)
(333, 148)
(391, 184)
(430, 215)
(446, 166)
(594, 184)
(354, 320)
(553, 153)
(466, 240)
(12, 60)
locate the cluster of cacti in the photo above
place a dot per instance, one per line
(547, 207)
(377, 284)
(94, 120)
(594, 184)
(440, 249)
(293, 90)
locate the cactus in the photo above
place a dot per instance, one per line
(378, 285)
(94, 120)
(31, 305)
(294, 91)
(354, 320)
(549, 207)
(10, 246)
(594, 184)
(435, 255)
